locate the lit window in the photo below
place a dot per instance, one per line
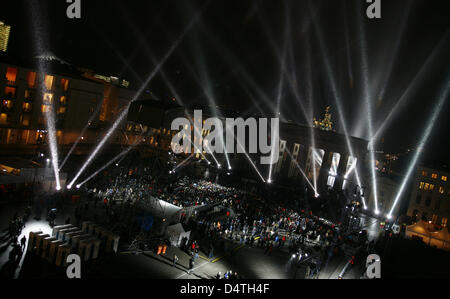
(45, 108)
(421, 185)
(31, 79)
(48, 81)
(65, 84)
(427, 186)
(444, 222)
(441, 190)
(431, 187)
(10, 92)
(48, 98)
(7, 104)
(28, 94)
(444, 178)
(11, 74)
(62, 110)
(434, 176)
(3, 118)
(424, 173)
(25, 120)
(63, 100)
(26, 107)
(434, 218)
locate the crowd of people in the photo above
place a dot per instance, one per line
(265, 218)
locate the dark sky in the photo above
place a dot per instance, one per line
(234, 49)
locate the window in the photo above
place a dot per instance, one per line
(48, 98)
(3, 118)
(431, 187)
(428, 201)
(434, 218)
(8, 104)
(11, 74)
(421, 185)
(65, 84)
(434, 176)
(28, 95)
(25, 120)
(418, 199)
(63, 100)
(444, 178)
(48, 82)
(444, 222)
(10, 92)
(437, 204)
(31, 79)
(441, 190)
(424, 173)
(26, 107)
(426, 187)
(45, 108)
(61, 110)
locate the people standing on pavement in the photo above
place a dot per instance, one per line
(23, 242)
(175, 260)
(191, 266)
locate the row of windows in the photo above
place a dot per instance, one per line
(434, 176)
(11, 77)
(430, 187)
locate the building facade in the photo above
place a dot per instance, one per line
(430, 198)
(81, 102)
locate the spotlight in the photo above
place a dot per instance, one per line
(42, 155)
(48, 160)
(269, 181)
(442, 97)
(117, 164)
(229, 167)
(78, 186)
(69, 187)
(294, 256)
(58, 188)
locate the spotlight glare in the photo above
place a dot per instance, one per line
(123, 153)
(433, 119)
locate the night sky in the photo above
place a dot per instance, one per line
(234, 51)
